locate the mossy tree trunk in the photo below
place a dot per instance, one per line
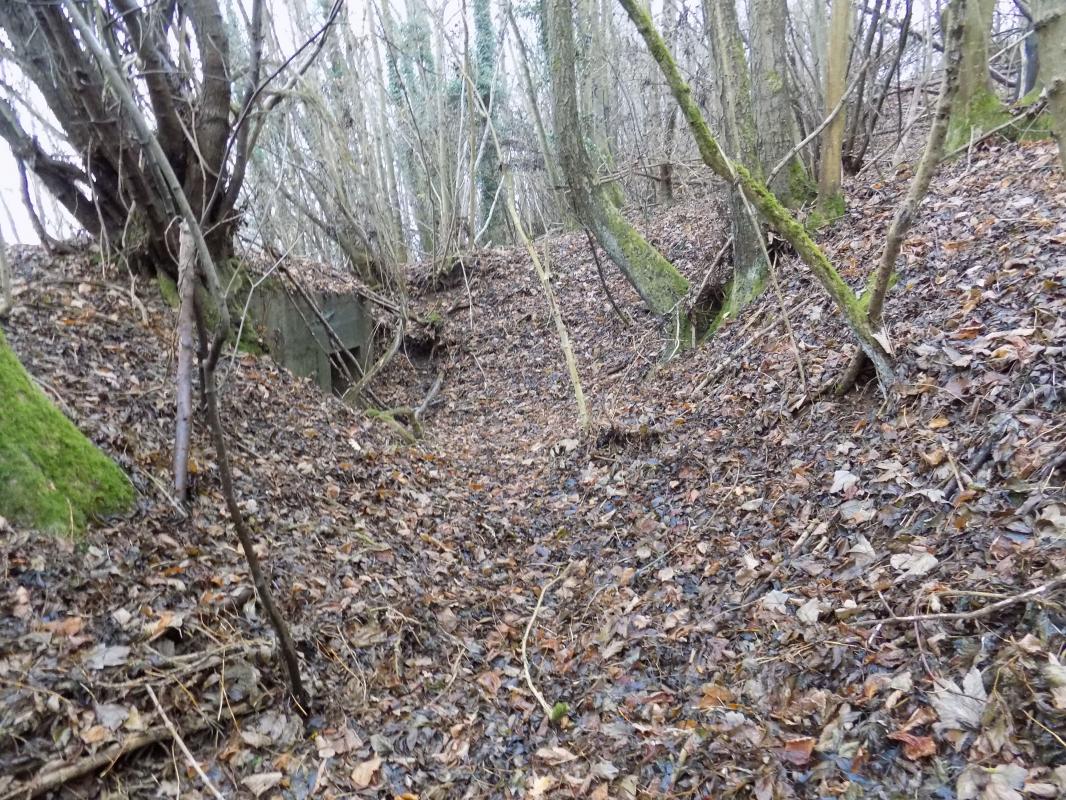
(490, 207)
(907, 211)
(762, 198)
(978, 109)
(741, 142)
(1049, 21)
(52, 477)
(830, 197)
(656, 280)
(771, 86)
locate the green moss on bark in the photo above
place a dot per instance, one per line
(51, 476)
(829, 210)
(168, 290)
(984, 112)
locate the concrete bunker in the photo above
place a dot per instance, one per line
(313, 320)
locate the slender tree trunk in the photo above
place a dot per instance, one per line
(830, 198)
(186, 353)
(873, 29)
(761, 197)
(7, 302)
(907, 211)
(534, 109)
(656, 280)
(741, 141)
(977, 109)
(1049, 20)
(775, 131)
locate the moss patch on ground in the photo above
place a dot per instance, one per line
(52, 477)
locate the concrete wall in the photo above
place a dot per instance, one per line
(296, 339)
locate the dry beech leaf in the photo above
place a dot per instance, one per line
(915, 747)
(797, 751)
(262, 783)
(555, 755)
(363, 774)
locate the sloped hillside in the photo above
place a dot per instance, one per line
(711, 580)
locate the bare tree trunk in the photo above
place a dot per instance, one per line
(977, 109)
(830, 198)
(760, 197)
(1049, 20)
(774, 127)
(657, 281)
(186, 352)
(923, 176)
(7, 302)
(741, 143)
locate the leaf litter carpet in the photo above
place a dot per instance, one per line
(733, 559)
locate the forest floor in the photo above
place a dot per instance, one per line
(721, 563)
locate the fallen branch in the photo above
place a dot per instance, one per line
(603, 282)
(986, 611)
(1030, 113)
(52, 779)
(980, 458)
(181, 744)
(548, 710)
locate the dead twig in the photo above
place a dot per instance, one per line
(980, 458)
(51, 779)
(603, 282)
(525, 641)
(181, 744)
(1035, 593)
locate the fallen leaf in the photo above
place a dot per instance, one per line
(363, 774)
(811, 610)
(957, 708)
(798, 751)
(915, 747)
(541, 785)
(843, 480)
(102, 656)
(111, 715)
(555, 755)
(263, 782)
(914, 565)
(714, 696)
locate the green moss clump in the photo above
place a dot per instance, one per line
(168, 290)
(828, 210)
(52, 477)
(984, 112)
(801, 186)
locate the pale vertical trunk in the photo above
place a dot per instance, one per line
(819, 44)
(184, 360)
(977, 109)
(6, 300)
(830, 199)
(1049, 20)
(914, 106)
(384, 136)
(534, 107)
(664, 186)
(734, 85)
(767, 20)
